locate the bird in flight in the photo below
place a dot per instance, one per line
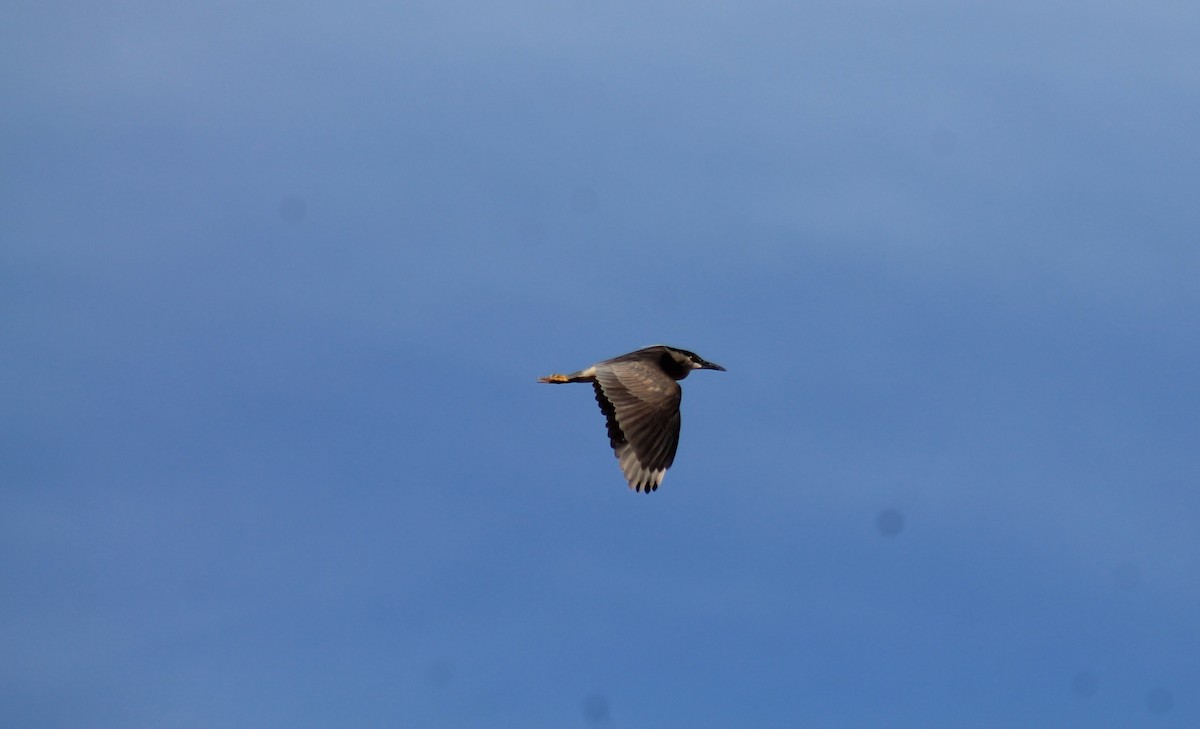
(639, 395)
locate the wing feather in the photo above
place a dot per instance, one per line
(640, 403)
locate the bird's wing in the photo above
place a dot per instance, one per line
(641, 404)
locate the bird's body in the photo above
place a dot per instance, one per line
(639, 395)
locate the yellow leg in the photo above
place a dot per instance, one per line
(554, 378)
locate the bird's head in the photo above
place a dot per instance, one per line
(687, 361)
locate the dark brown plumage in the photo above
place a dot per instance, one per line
(640, 396)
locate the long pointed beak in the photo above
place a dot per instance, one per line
(711, 366)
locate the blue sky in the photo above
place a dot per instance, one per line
(276, 282)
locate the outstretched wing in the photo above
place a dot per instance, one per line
(641, 404)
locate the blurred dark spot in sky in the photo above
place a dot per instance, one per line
(890, 522)
(943, 142)
(1085, 684)
(1159, 701)
(595, 708)
(531, 229)
(1127, 576)
(292, 209)
(583, 200)
(439, 673)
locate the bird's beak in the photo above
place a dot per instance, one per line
(710, 366)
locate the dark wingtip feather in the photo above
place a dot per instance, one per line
(615, 436)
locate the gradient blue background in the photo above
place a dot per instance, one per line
(276, 281)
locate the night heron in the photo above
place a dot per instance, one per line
(639, 397)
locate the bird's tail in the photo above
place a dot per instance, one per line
(588, 375)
